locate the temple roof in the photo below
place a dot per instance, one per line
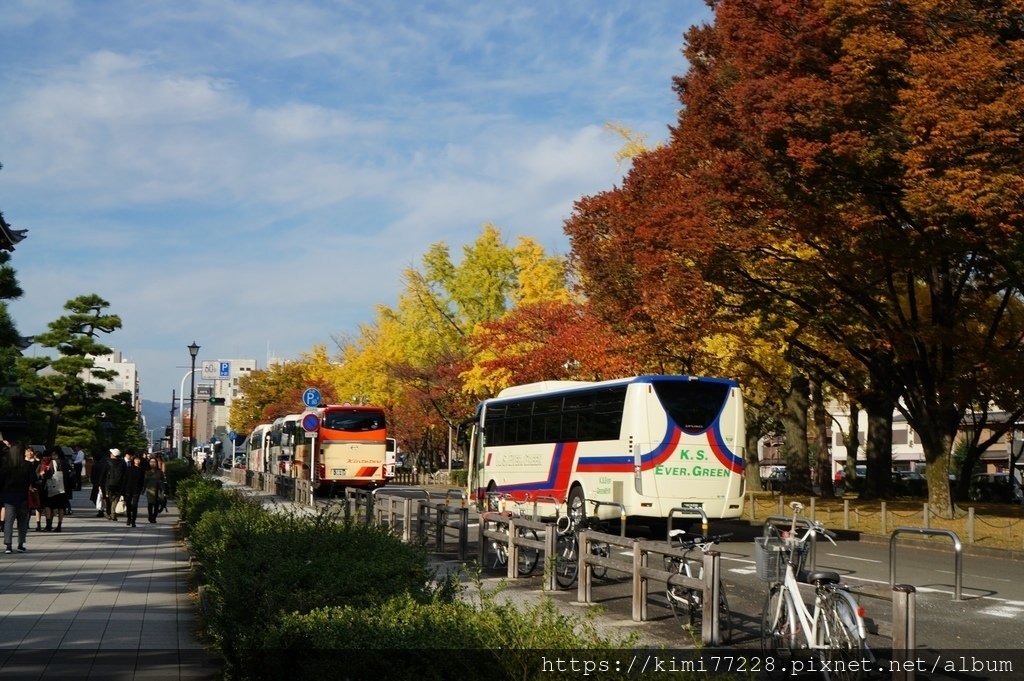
(10, 237)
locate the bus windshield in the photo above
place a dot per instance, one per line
(693, 405)
(353, 421)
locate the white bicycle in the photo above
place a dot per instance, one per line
(831, 629)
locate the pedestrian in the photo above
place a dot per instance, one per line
(66, 467)
(17, 476)
(113, 482)
(164, 487)
(134, 486)
(98, 475)
(51, 474)
(154, 482)
(78, 464)
(35, 499)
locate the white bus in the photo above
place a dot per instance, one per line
(647, 443)
(257, 449)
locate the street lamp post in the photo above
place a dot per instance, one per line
(192, 350)
(179, 425)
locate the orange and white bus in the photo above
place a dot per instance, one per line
(351, 449)
(641, 445)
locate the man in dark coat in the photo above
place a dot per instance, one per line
(113, 483)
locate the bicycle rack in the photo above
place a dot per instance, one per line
(622, 512)
(958, 563)
(687, 509)
(536, 504)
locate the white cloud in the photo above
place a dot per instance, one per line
(254, 173)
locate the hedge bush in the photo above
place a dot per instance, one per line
(258, 566)
(195, 496)
(177, 470)
(409, 639)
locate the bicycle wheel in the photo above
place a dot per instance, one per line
(680, 599)
(724, 616)
(776, 638)
(566, 565)
(603, 550)
(528, 555)
(500, 550)
(839, 637)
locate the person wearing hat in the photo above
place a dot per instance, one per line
(113, 482)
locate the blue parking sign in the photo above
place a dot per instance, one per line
(225, 369)
(311, 397)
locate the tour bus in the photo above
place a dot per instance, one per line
(642, 445)
(350, 449)
(285, 433)
(392, 458)
(258, 448)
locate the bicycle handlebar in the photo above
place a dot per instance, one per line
(703, 542)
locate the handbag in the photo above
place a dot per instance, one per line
(33, 497)
(120, 506)
(53, 488)
(99, 502)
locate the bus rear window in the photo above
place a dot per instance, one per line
(353, 421)
(693, 405)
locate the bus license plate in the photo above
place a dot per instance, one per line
(339, 471)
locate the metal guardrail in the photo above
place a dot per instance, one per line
(958, 563)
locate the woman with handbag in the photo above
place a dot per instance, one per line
(35, 495)
(54, 495)
(17, 476)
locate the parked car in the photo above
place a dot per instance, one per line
(777, 479)
(909, 484)
(994, 488)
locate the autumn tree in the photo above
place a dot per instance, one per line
(276, 391)
(853, 166)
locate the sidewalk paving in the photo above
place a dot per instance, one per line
(100, 600)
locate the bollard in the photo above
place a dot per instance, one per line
(811, 510)
(407, 521)
(782, 509)
(753, 512)
(884, 523)
(904, 631)
(711, 613)
(970, 525)
(846, 514)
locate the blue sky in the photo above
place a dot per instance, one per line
(255, 176)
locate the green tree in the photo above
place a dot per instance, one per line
(75, 337)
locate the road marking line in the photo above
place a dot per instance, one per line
(840, 555)
(994, 579)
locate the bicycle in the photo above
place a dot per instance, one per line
(833, 629)
(568, 527)
(688, 604)
(528, 556)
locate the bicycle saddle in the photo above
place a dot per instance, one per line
(817, 577)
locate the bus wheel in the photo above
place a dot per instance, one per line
(491, 501)
(576, 506)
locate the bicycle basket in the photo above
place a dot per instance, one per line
(770, 557)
